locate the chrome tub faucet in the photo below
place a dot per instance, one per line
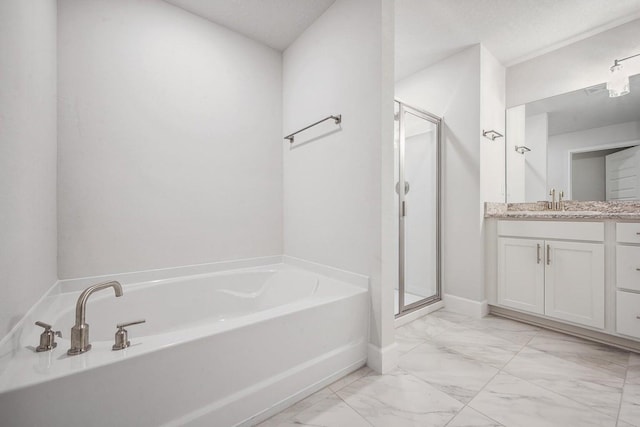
(80, 331)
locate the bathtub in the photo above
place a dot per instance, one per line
(217, 349)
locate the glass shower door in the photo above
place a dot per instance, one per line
(418, 205)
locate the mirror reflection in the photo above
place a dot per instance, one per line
(583, 143)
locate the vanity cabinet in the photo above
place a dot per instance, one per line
(628, 279)
(552, 268)
(574, 282)
(521, 274)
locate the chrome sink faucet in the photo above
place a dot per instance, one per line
(80, 331)
(554, 205)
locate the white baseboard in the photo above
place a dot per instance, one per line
(466, 306)
(382, 360)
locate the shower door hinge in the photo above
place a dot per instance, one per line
(404, 208)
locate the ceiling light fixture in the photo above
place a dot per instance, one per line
(618, 84)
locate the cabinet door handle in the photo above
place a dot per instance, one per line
(538, 253)
(548, 254)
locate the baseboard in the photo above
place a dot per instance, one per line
(565, 328)
(382, 360)
(466, 306)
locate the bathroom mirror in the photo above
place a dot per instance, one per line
(582, 142)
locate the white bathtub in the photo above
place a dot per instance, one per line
(220, 349)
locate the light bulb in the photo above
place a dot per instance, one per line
(618, 84)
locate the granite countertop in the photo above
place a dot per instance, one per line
(626, 210)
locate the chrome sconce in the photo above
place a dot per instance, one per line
(618, 84)
(491, 134)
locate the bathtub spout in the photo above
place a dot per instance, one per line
(80, 331)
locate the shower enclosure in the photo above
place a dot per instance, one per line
(417, 170)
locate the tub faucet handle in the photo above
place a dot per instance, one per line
(122, 336)
(47, 338)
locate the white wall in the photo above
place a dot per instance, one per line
(170, 140)
(451, 89)
(535, 171)
(515, 137)
(492, 117)
(602, 137)
(588, 175)
(27, 155)
(579, 65)
(333, 175)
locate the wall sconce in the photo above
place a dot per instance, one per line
(618, 84)
(491, 134)
(522, 149)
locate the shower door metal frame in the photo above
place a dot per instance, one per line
(402, 108)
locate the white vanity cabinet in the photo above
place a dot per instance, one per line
(628, 279)
(553, 268)
(574, 282)
(521, 274)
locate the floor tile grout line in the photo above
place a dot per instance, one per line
(480, 391)
(426, 339)
(624, 384)
(350, 382)
(588, 343)
(436, 388)
(549, 390)
(466, 405)
(354, 409)
(335, 394)
(561, 394)
(500, 371)
(526, 345)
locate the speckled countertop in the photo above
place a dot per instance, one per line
(627, 210)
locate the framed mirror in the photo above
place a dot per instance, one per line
(582, 142)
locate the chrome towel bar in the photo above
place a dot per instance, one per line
(337, 119)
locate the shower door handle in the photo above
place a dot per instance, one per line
(404, 208)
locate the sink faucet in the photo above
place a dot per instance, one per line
(80, 331)
(552, 204)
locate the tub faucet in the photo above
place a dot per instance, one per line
(80, 331)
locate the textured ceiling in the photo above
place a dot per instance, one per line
(276, 23)
(428, 31)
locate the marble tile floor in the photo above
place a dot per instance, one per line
(458, 371)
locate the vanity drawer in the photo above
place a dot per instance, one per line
(628, 314)
(565, 230)
(628, 232)
(628, 267)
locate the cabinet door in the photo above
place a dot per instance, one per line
(574, 277)
(521, 274)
